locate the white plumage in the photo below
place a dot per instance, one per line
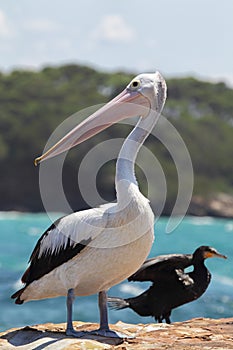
(89, 251)
(117, 242)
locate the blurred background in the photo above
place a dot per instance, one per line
(59, 57)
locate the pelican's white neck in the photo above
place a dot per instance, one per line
(125, 172)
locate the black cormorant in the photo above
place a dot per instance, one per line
(171, 286)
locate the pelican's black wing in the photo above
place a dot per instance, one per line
(41, 263)
(154, 269)
(62, 241)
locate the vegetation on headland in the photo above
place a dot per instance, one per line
(33, 104)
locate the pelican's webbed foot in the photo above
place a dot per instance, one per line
(108, 333)
(73, 333)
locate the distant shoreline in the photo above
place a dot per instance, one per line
(218, 205)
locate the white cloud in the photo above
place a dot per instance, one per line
(5, 30)
(41, 25)
(113, 28)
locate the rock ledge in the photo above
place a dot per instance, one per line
(198, 333)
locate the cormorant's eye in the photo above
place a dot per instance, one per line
(135, 84)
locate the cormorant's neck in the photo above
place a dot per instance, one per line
(199, 265)
(201, 276)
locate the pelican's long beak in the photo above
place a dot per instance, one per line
(126, 104)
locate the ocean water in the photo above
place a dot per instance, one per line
(20, 232)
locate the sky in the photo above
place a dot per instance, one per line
(177, 37)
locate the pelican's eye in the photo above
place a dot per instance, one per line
(135, 84)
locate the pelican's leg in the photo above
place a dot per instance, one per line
(69, 303)
(104, 329)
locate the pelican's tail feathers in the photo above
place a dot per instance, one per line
(17, 295)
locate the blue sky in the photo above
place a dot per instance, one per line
(177, 37)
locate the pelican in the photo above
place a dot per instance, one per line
(89, 251)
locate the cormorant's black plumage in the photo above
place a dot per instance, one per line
(171, 286)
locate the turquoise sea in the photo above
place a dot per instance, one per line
(20, 232)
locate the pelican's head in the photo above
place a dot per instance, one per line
(152, 86)
(144, 92)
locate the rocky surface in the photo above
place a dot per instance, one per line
(199, 333)
(218, 205)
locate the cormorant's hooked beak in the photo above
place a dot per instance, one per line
(218, 255)
(126, 104)
(215, 254)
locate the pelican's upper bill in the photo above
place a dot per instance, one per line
(144, 92)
